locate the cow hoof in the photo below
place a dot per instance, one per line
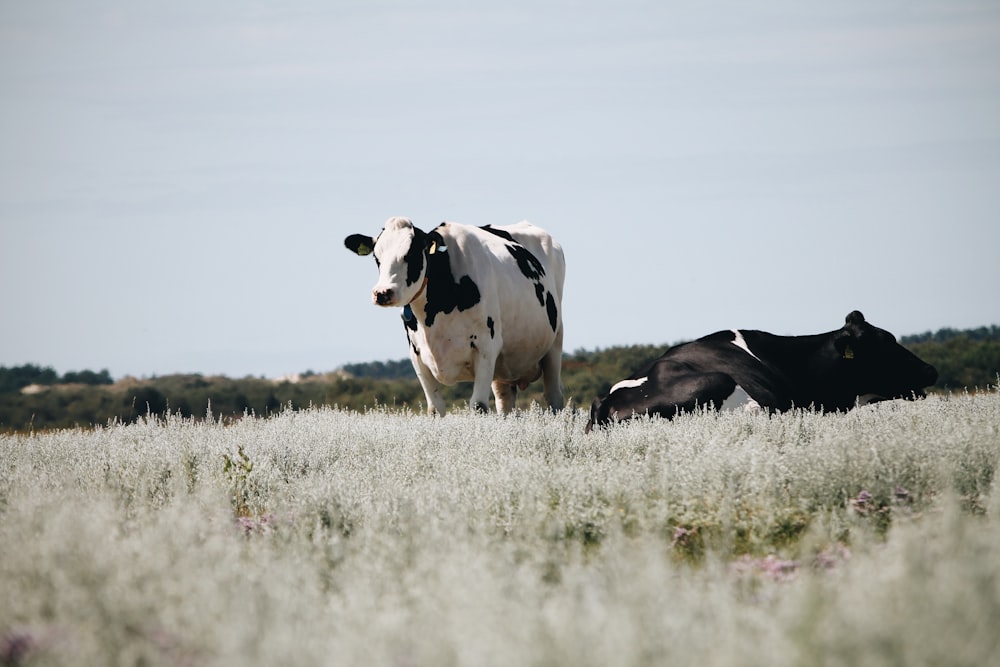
(480, 408)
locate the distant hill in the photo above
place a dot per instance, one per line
(32, 397)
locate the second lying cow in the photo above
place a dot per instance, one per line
(858, 363)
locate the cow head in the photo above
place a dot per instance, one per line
(877, 364)
(400, 253)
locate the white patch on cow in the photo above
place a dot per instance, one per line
(628, 384)
(737, 399)
(741, 343)
(740, 399)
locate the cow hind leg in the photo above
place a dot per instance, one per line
(663, 397)
(552, 373)
(505, 394)
(694, 390)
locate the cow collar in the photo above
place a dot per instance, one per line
(407, 310)
(420, 291)
(434, 249)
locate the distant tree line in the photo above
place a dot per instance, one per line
(381, 370)
(944, 335)
(964, 359)
(19, 377)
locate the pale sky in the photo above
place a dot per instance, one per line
(177, 179)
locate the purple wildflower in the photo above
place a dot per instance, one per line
(682, 536)
(261, 523)
(15, 647)
(769, 567)
(832, 557)
(863, 503)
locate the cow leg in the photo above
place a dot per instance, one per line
(485, 366)
(552, 372)
(767, 399)
(694, 390)
(664, 394)
(430, 385)
(505, 394)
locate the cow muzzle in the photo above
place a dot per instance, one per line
(384, 297)
(928, 376)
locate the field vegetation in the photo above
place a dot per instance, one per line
(326, 536)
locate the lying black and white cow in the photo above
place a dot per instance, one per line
(858, 363)
(479, 303)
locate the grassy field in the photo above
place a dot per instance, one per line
(327, 537)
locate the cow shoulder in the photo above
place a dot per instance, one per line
(450, 286)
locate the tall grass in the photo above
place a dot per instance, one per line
(326, 537)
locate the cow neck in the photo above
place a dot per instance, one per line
(423, 285)
(420, 291)
(408, 316)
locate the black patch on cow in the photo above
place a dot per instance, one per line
(533, 270)
(550, 306)
(529, 265)
(409, 324)
(444, 294)
(725, 336)
(378, 262)
(407, 327)
(540, 293)
(415, 257)
(472, 341)
(499, 232)
(526, 262)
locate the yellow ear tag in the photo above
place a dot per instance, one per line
(848, 352)
(433, 249)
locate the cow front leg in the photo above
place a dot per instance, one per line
(430, 385)
(480, 401)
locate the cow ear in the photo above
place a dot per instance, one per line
(360, 244)
(435, 243)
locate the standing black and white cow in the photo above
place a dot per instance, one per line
(856, 364)
(480, 304)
